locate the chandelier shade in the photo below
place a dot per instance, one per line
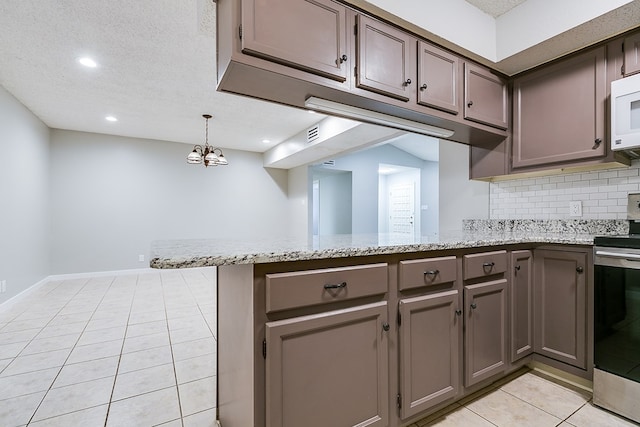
(206, 154)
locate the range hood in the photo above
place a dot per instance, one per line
(363, 115)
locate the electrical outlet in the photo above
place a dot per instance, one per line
(141, 258)
(575, 208)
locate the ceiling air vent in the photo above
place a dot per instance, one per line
(313, 134)
(329, 163)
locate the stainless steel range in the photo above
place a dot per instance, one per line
(616, 377)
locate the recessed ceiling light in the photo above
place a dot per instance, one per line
(111, 119)
(88, 62)
(266, 141)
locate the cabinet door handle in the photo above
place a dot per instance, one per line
(385, 326)
(338, 286)
(596, 143)
(432, 273)
(342, 59)
(517, 268)
(580, 269)
(469, 104)
(473, 305)
(407, 82)
(423, 87)
(458, 312)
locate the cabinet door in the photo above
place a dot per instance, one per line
(561, 306)
(429, 350)
(521, 299)
(386, 59)
(486, 98)
(632, 54)
(485, 330)
(328, 369)
(438, 74)
(273, 29)
(559, 111)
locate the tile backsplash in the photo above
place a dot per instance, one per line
(603, 195)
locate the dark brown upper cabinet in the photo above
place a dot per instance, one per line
(559, 112)
(386, 59)
(307, 34)
(486, 97)
(438, 78)
(632, 54)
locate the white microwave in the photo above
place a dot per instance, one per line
(625, 113)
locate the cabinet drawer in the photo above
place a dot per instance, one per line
(303, 288)
(427, 272)
(485, 264)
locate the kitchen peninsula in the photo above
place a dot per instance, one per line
(381, 330)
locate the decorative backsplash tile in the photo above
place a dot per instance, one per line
(603, 195)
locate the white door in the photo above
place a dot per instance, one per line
(402, 209)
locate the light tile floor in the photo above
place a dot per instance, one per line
(526, 399)
(140, 350)
(134, 350)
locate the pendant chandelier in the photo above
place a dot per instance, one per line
(206, 154)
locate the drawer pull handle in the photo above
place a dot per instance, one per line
(488, 265)
(433, 273)
(338, 286)
(473, 305)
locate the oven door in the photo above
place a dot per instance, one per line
(616, 383)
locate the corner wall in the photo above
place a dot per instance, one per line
(24, 197)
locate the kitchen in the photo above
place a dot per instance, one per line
(70, 255)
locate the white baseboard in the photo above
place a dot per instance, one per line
(14, 299)
(100, 274)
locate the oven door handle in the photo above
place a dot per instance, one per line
(627, 256)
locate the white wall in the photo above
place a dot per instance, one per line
(603, 195)
(335, 204)
(299, 186)
(112, 196)
(454, 20)
(364, 165)
(24, 196)
(460, 198)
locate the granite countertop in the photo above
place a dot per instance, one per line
(475, 234)
(214, 252)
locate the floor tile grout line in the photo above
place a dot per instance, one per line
(531, 404)
(173, 360)
(88, 280)
(124, 339)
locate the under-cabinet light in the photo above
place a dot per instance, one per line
(374, 117)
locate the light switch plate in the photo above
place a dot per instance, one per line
(633, 206)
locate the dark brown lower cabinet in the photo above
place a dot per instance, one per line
(485, 333)
(521, 304)
(560, 301)
(329, 369)
(429, 350)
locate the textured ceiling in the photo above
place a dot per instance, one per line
(156, 71)
(495, 8)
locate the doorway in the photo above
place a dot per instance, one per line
(399, 200)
